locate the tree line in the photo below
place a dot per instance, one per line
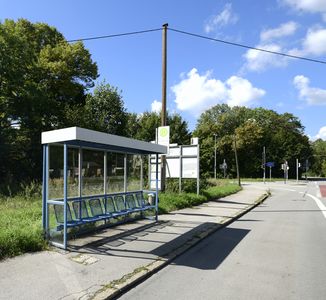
(47, 83)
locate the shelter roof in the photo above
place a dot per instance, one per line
(85, 138)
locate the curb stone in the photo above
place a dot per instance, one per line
(117, 287)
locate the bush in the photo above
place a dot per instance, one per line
(174, 201)
(187, 185)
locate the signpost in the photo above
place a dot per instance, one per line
(163, 138)
(298, 165)
(271, 165)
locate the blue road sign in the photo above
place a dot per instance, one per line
(270, 164)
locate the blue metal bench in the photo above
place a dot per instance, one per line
(81, 212)
(59, 215)
(143, 202)
(91, 209)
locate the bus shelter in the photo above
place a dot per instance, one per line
(92, 178)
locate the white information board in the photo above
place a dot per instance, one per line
(181, 162)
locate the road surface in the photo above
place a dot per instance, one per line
(276, 251)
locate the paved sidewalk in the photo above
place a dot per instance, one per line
(102, 264)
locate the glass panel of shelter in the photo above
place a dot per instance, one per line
(92, 180)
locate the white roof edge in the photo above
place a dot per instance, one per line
(91, 136)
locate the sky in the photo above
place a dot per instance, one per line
(201, 73)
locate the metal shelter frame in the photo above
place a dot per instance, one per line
(80, 138)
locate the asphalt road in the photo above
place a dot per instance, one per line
(276, 251)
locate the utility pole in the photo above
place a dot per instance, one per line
(236, 160)
(215, 155)
(163, 111)
(264, 164)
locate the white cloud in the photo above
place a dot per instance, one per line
(225, 17)
(315, 42)
(259, 61)
(156, 106)
(312, 95)
(321, 134)
(241, 92)
(196, 93)
(311, 6)
(284, 29)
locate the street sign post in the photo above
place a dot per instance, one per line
(271, 165)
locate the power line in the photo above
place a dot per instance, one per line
(114, 35)
(202, 37)
(246, 46)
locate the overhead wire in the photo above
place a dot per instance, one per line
(201, 37)
(246, 46)
(114, 35)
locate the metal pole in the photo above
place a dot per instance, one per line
(264, 164)
(47, 168)
(156, 188)
(163, 112)
(270, 173)
(44, 188)
(65, 193)
(141, 173)
(105, 180)
(224, 168)
(80, 168)
(215, 156)
(198, 166)
(297, 169)
(180, 172)
(149, 171)
(125, 173)
(236, 160)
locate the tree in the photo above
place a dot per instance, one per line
(143, 127)
(282, 135)
(319, 158)
(40, 76)
(105, 110)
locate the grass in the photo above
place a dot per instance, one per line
(20, 226)
(21, 216)
(170, 201)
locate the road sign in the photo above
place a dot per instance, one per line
(270, 164)
(163, 136)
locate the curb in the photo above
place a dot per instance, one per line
(118, 287)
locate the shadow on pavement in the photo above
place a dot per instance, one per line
(211, 252)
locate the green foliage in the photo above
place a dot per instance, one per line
(142, 127)
(281, 134)
(173, 201)
(40, 76)
(20, 226)
(187, 185)
(319, 160)
(105, 110)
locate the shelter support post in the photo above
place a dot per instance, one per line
(80, 167)
(105, 172)
(125, 173)
(65, 193)
(44, 188)
(156, 187)
(141, 173)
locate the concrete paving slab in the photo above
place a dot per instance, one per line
(102, 264)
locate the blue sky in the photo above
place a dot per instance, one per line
(201, 73)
